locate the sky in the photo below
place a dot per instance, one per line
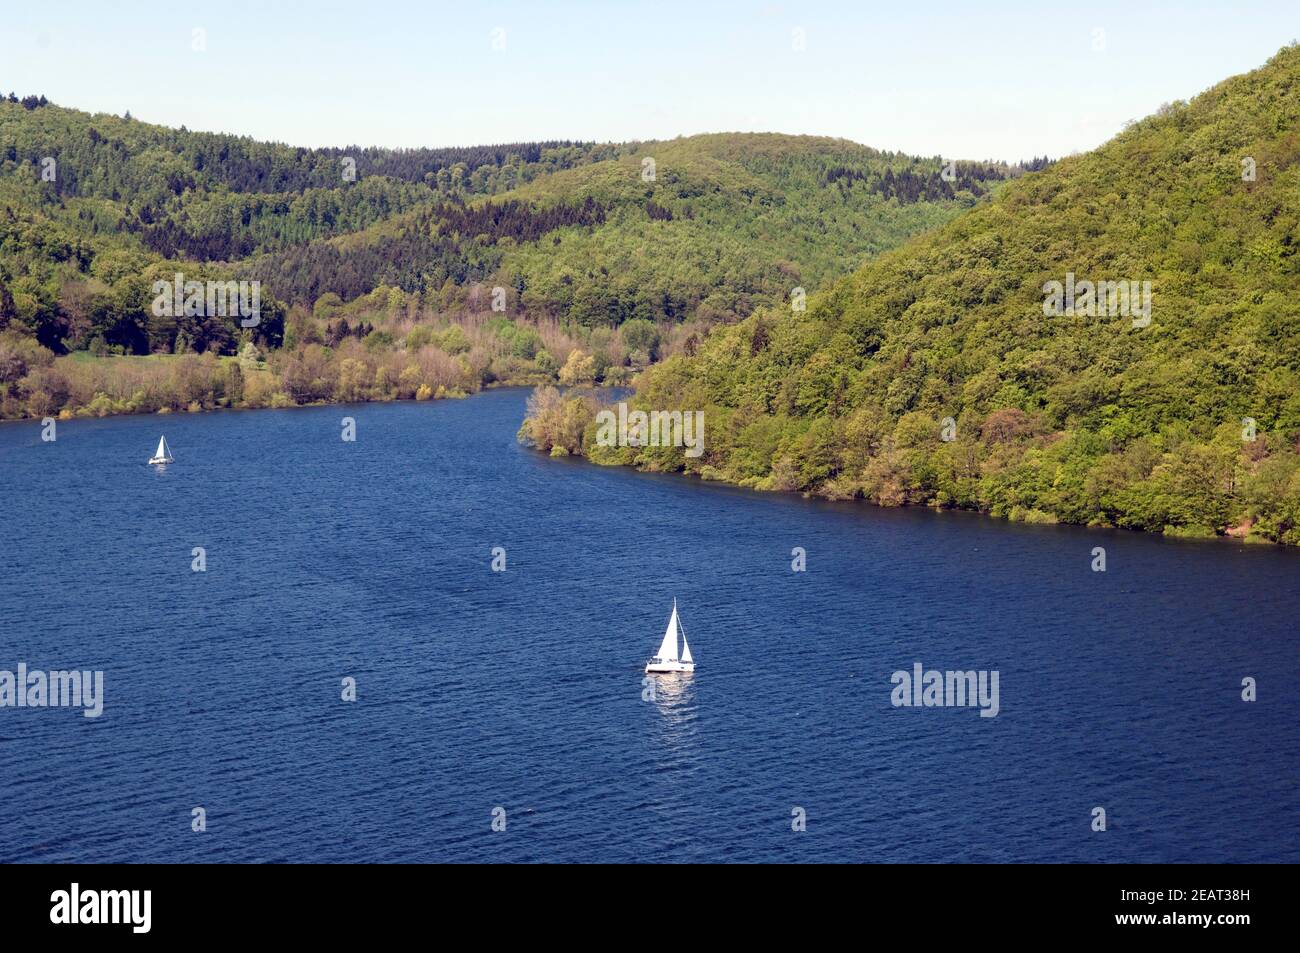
(990, 80)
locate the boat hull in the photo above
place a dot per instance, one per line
(157, 461)
(668, 668)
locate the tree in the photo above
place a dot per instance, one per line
(579, 369)
(7, 310)
(640, 334)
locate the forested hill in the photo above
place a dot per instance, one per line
(953, 372)
(707, 227)
(94, 208)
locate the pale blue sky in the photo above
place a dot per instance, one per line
(971, 80)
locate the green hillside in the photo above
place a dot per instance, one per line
(726, 224)
(94, 208)
(581, 239)
(1103, 419)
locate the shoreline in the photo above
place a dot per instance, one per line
(1243, 542)
(64, 416)
(1217, 538)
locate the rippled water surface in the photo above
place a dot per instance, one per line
(523, 689)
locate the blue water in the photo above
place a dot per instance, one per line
(523, 690)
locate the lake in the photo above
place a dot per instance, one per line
(523, 690)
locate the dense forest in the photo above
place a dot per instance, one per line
(512, 243)
(726, 224)
(947, 373)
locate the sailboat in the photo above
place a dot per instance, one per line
(163, 454)
(667, 659)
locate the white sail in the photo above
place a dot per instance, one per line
(686, 650)
(163, 454)
(668, 648)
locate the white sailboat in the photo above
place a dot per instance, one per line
(163, 454)
(667, 659)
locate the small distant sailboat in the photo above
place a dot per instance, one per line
(667, 659)
(163, 454)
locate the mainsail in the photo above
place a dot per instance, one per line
(162, 453)
(668, 648)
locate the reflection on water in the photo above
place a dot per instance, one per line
(674, 693)
(674, 697)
